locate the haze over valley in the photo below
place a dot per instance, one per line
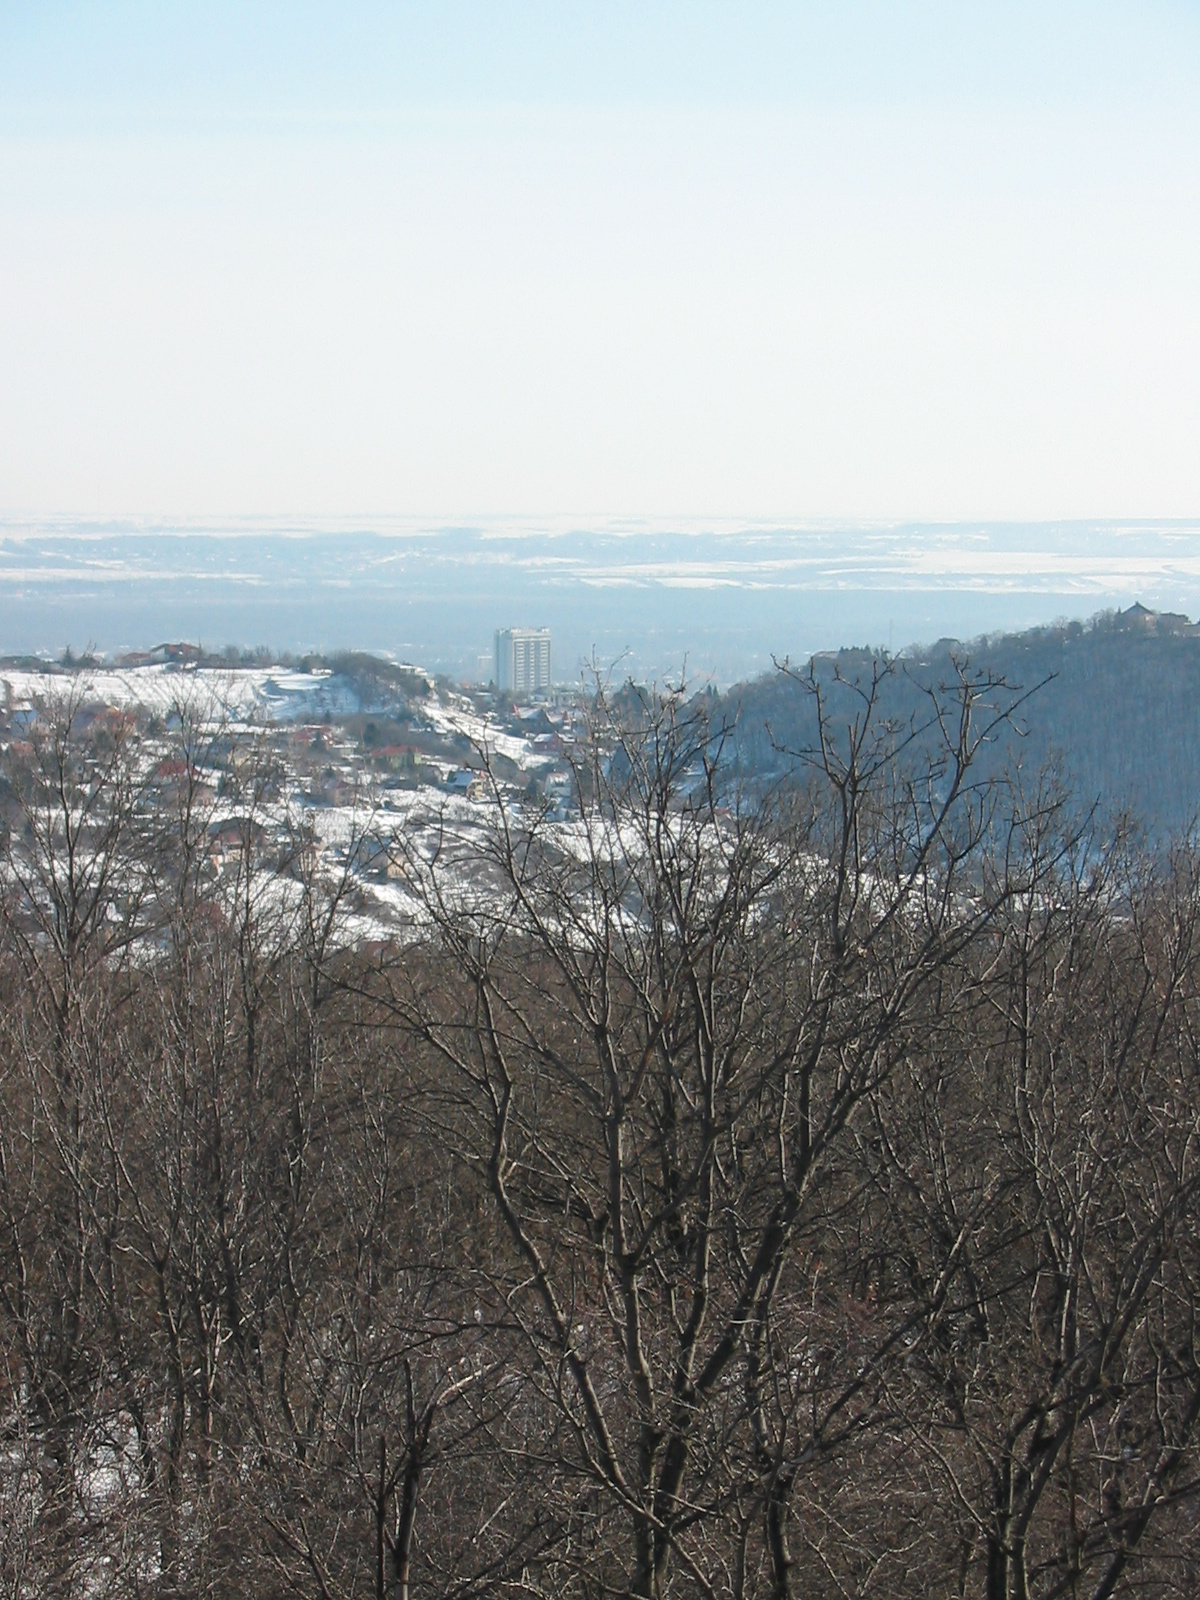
(722, 598)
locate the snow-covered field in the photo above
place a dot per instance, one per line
(254, 694)
(277, 694)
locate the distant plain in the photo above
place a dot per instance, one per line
(720, 599)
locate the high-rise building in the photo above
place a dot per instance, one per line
(522, 660)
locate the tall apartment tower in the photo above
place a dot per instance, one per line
(522, 660)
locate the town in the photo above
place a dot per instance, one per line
(317, 762)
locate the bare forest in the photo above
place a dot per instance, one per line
(788, 1191)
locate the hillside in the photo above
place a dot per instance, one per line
(1113, 704)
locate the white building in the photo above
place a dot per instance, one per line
(522, 660)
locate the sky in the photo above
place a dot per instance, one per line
(854, 260)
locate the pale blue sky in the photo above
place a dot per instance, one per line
(854, 260)
(239, 59)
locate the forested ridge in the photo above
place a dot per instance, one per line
(1114, 706)
(773, 1189)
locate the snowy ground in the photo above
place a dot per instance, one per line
(395, 821)
(276, 694)
(263, 694)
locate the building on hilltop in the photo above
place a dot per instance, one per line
(1140, 616)
(522, 660)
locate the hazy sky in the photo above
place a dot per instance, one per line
(845, 260)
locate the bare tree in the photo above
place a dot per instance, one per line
(713, 1193)
(661, 1022)
(1056, 1392)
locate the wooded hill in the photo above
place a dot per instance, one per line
(1113, 706)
